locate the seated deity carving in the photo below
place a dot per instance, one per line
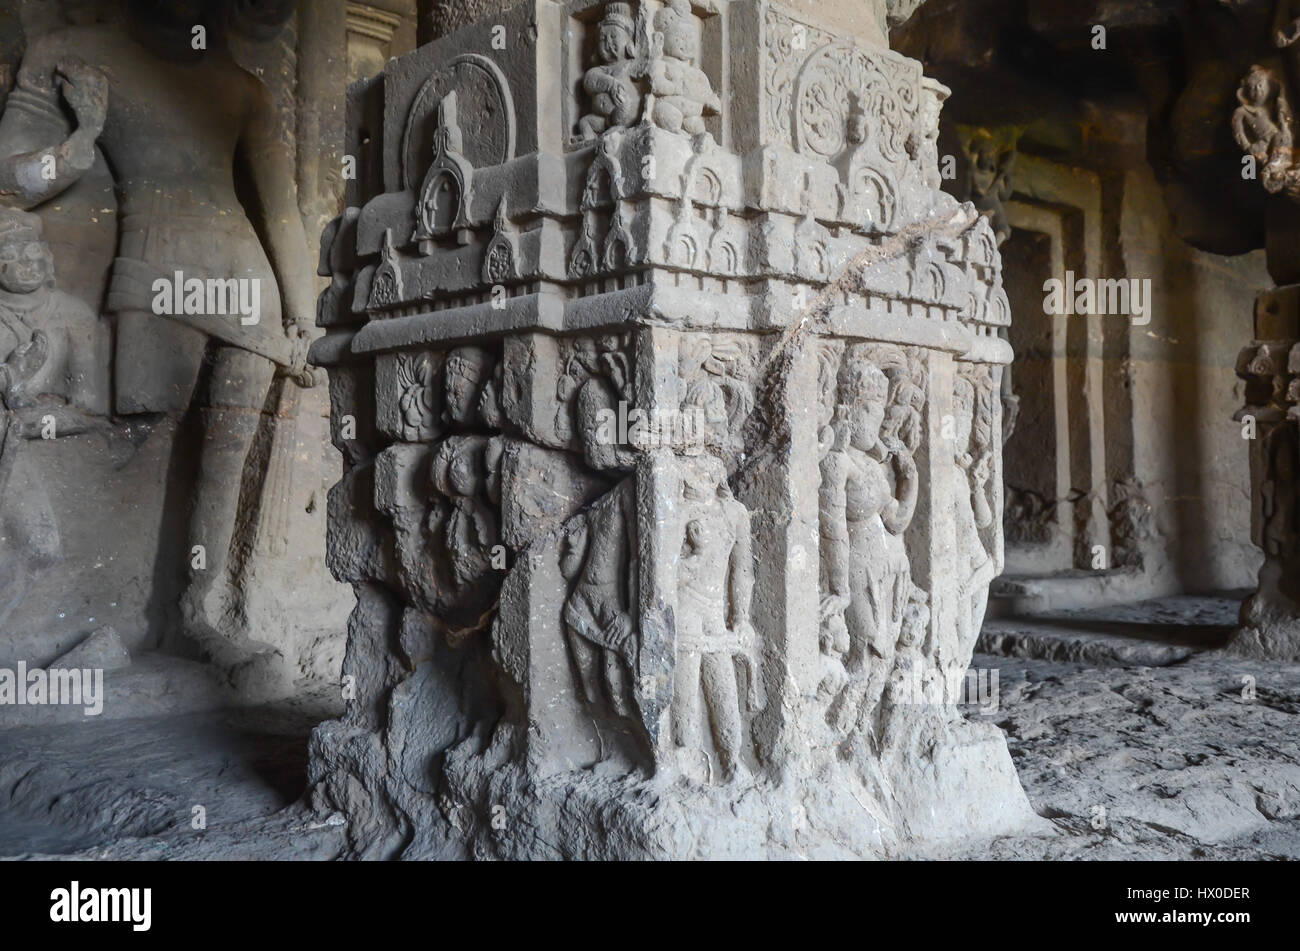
(612, 85)
(53, 382)
(684, 95)
(1263, 126)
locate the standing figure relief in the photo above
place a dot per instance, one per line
(715, 584)
(975, 453)
(868, 494)
(598, 558)
(174, 122)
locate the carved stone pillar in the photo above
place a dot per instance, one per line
(1264, 127)
(1270, 618)
(378, 31)
(667, 381)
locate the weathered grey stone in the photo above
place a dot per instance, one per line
(686, 428)
(102, 649)
(164, 469)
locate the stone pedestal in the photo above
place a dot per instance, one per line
(668, 384)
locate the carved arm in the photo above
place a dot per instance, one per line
(40, 158)
(273, 173)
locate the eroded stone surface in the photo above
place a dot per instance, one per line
(162, 468)
(1184, 765)
(674, 447)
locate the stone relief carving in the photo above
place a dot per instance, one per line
(787, 45)
(691, 614)
(53, 344)
(1277, 502)
(717, 388)
(651, 73)
(418, 401)
(594, 389)
(466, 475)
(1029, 517)
(483, 94)
(1132, 523)
(585, 259)
(386, 287)
(923, 143)
(338, 262)
(53, 382)
(613, 85)
(868, 494)
(715, 581)
(473, 388)
(32, 114)
(839, 86)
(975, 450)
(1264, 126)
(990, 162)
(501, 260)
(683, 93)
(448, 184)
(178, 212)
(448, 528)
(599, 560)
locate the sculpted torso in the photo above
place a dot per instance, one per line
(193, 113)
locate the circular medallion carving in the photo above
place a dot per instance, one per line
(486, 116)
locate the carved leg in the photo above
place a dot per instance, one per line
(585, 659)
(668, 116)
(240, 382)
(29, 536)
(882, 645)
(592, 126)
(686, 701)
(618, 683)
(720, 693)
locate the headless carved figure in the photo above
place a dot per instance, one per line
(176, 123)
(684, 94)
(598, 614)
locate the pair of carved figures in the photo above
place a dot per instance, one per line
(652, 72)
(873, 616)
(599, 548)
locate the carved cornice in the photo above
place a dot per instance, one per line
(374, 22)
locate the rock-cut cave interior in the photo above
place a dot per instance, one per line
(658, 429)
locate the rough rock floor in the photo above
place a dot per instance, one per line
(128, 788)
(1132, 731)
